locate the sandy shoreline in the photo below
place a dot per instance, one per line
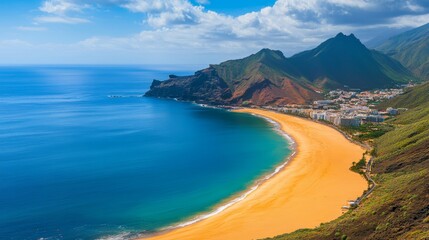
(309, 190)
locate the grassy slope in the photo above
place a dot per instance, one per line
(411, 49)
(393, 69)
(399, 207)
(412, 98)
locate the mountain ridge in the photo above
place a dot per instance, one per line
(268, 77)
(411, 48)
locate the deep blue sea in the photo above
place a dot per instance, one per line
(76, 164)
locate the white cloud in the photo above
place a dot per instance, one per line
(409, 21)
(352, 3)
(31, 28)
(14, 43)
(60, 19)
(413, 7)
(281, 18)
(289, 25)
(57, 11)
(61, 7)
(163, 13)
(203, 2)
(178, 31)
(152, 5)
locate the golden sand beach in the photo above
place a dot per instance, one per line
(310, 190)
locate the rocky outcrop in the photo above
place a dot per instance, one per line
(204, 86)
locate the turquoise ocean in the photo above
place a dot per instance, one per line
(84, 156)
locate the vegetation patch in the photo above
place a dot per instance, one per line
(368, 131)
(359, 166)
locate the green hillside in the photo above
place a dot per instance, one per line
(411, 98)
(411, 49)
(267, 63)
(399, 206)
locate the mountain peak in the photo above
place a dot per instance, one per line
(344, 42)
(344, 60)
(266, 52)
(340, 35)
(345, 37)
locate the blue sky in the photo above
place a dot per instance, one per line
(187, 31)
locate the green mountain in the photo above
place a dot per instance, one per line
(411, 48)
(268, 77)
(399, 206)
(344, 60)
